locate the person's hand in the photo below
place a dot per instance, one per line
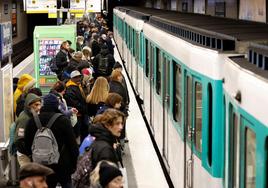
(74, 110)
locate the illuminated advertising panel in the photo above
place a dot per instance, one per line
(40, 6)
(5, 40)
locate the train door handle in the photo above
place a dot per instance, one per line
(189, 174)
(167, 98)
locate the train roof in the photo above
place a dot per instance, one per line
(217, 33)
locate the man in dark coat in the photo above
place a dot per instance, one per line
(103, 63)
(63, 132)
(95, 47)
(62, 58)
(75, 97)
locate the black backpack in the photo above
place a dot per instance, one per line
(80, 178)
(53, 66)
(103, 66)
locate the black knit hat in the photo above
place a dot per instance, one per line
(51, 100)
(108, 173)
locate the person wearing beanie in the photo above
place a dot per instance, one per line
(34, 175)
(63, 133)
(32, 103)
(110, 176)
(106, 175)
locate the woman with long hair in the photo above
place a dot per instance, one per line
(98, 95)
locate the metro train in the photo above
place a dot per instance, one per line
(204, 101)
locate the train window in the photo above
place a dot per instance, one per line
(147, 58)
(151, 61)
(177, 92)
(235, 150)
(125, 31)
(134, 42)
(158, 71)
(166, 80)
(137, 47)
(210, 120)
(189, 108)
(198, 116)
(250, 158)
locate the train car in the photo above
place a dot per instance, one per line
(245, 100)
(187, 84)
(129, 37)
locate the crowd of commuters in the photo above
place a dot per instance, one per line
(90, 98)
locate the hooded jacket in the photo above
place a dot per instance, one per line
(102, 148)
(22, 122)
(75, 97)
(25, 82)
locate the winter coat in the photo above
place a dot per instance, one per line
(63, 132)
(22, 123)
(117, 87)
(93, 108)
(75, 97)
(102, 148)
(95, 47)
(110, 45)
(111, 61)
(25, 82)
(62, 60)
(72, 66)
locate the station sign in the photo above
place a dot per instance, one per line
(5, 40)
(93, 5)
(77, 6)
(40, 6)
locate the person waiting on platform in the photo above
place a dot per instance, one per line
(33, 175)
(97, 96)
(113, 100)
(25, 82)
(32, 103)
(62, 58)
(106, 132)
(103, 63)
(64, 136)
(106, 175)
(75, 97)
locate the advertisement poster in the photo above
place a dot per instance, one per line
(14, 18)
(77, 6)
(5, 40)
(48, 48)
(6, 101)
(93, 5)
(40, 6)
